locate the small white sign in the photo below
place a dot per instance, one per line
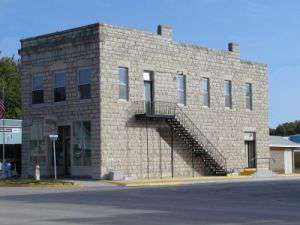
(16, 130)
(249, 136)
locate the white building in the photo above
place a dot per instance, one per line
(285, 155)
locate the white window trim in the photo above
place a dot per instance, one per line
(126, 85)
(205, 92)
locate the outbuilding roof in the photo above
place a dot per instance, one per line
(278, 141)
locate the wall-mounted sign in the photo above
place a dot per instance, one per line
(249, 136)
(10, 130)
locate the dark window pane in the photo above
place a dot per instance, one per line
(205, 100)
(227, 93)
(181, 89)
(248, 103)
(248, 93)
(84, 86)
(84, 91)
(37, 97)
(59, 94)
(227, 101)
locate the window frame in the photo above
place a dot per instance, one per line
(37, 91)
(88, 85)
(124, 85)
(55, 88)
(249, 97)
(229, 95)
(85, 160)
(205, 93)
(181, 91)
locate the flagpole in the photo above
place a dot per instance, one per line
(3, 133)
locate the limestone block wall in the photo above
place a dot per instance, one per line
(277, 164)
(63, 51)
(139, 51)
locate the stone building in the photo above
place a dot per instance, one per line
(139, 105)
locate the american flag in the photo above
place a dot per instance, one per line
(2, 106)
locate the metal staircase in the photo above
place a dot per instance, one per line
(214, 162)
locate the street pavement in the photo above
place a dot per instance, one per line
(246, 203)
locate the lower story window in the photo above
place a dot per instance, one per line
(37, 97)
(82, 143)
(84, 91)
(37, 144)
(59, 94)
(37, 149)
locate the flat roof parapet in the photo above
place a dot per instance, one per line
(91, 32)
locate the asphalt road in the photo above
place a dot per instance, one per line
(276, 203)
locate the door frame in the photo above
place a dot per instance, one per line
(252, 163)
(67, 157)
(148, 77)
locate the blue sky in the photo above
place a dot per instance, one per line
(268, 31)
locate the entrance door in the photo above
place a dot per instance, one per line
(250, 148)
(63, 161)
(148, 93)
(296, 162)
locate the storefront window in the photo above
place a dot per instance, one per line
(37, 147)
(82, 143)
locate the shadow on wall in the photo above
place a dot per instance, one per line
(184, 162)
(162, 154)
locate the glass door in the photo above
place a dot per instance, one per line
(63, 151)
(148, 93)
(250, 146)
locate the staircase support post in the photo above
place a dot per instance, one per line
(172, 153)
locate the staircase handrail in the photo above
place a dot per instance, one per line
(173, 109)
(207, 145)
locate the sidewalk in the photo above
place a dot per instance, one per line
(92, 183)
(105, 184)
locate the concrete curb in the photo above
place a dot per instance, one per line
(173, 181)
(200, 180)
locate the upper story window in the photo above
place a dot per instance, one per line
(248, 95)
(181, 85)
(227, 93)
(84, 83)
(37, 89)
(59, 87)
(205, 91)
(123, 83)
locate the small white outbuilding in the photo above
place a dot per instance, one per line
(285, 155)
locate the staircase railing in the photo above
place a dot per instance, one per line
(161, 108)
(156, 108)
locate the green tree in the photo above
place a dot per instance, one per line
(286, 129)
(10, 79)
